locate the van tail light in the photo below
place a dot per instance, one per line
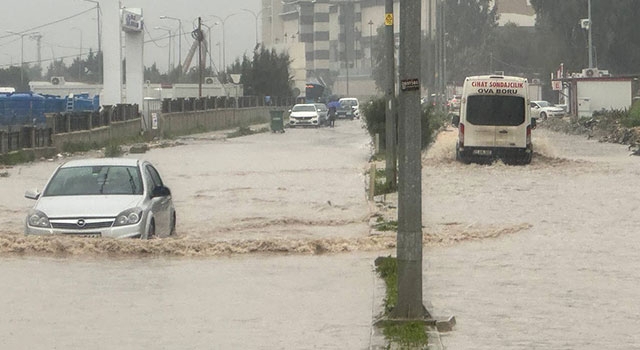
(528, 134)
(461, 135)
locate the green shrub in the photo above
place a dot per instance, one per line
(112, 150)
(632, 119)
(374, 117)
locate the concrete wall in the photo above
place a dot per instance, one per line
(173, 124)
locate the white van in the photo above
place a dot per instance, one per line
(495, 120)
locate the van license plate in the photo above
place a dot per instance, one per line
(482, 152)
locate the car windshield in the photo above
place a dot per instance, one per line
(304, 108)
(544, 104)
(95, 180)
(349, 102)
(495, 110)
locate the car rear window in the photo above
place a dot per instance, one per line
(495, 110)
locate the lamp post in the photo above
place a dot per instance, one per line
(21, 35)
(79, 53)
(170, 38)
(98, 21)
(179, 38)
(209, 48)
(99, 35)
(224, 53)
(370, 23)
(255, 15)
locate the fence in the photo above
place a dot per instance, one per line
(121, 121)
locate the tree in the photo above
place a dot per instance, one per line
(470, 27)
(266, 74)
(615, 37)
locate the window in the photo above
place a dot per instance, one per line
(495, 110)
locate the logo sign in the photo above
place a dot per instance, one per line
(556, 85)
(81, 223)
(154, 121)
(132, 20)
(410, 84)
(388, 19)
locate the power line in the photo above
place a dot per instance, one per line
(48, 24)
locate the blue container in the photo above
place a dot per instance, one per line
(25, 108)
(3, 101)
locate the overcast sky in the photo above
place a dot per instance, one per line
(61, 35)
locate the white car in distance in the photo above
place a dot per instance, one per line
(542, 110)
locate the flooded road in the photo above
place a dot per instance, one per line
(260, 302)
(274, 251)
(571, 280)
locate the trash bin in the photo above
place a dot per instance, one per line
(277, 120)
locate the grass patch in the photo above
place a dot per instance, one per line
(245, 131)
(408, 335)
(382, 225)
(113, 150)
(381, 184)
(17, 157)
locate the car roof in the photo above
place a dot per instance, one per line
(305, 104)
(101, 162)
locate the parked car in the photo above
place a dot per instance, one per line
(541, 110)
(323, 114)
(454, 103)
(353, 103)
(304, 114)
(103, 197)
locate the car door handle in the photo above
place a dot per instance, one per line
(503, 131)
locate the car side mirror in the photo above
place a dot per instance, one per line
(160, 191)
(32, 194)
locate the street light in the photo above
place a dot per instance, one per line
(224, 53)
(370, 23)
(179, 37)
(79, 54)
(169, 37)
(209, 48)
(21, 35)
(98, 21)
(255, 15)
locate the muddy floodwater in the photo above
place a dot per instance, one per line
(274, 250)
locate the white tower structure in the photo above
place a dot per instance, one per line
(115, 20)
(111, 53)
(132, 25)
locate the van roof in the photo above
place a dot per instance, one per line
(495, 76)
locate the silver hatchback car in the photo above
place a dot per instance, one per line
(103, 197)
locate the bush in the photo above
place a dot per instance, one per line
(632, 119)
(374, 117)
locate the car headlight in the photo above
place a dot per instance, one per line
(37, 218)
(128, 217)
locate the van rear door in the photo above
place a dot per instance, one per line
(498, 121)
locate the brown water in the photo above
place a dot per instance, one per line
(529, 257)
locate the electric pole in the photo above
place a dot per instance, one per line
(391, 173)
(409, 239)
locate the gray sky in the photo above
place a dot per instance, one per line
(62, 38)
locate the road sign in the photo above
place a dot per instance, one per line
(556, 85)
(388, 19)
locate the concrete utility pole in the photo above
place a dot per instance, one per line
(391, 172)
(409, 246)
(590, 42)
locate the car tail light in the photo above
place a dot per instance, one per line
(461, 135)
(528, 134)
